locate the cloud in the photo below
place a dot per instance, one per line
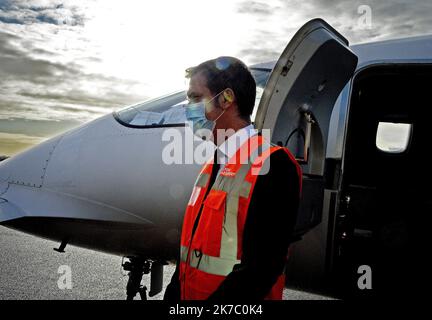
(36, 128)
(45, 90)
(19, 133)
(25, 68)
(5, 138)
(81, 98)
(259, 54)
(389, 19)
(11, 144)
(30, 12)
(256, 8)
(35, 81)
(73, 61)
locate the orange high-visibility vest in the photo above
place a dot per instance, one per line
(209, 255)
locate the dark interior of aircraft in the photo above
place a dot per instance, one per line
(387, 193)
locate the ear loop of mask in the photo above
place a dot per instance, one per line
(219, 116)
(217, 107)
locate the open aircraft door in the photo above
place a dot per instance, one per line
(296, 106)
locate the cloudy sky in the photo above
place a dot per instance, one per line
(66, 62)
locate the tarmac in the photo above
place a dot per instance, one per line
(31, 269)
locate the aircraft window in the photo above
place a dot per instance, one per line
(393, 137)
(169, 110)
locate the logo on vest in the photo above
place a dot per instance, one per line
(226, 172)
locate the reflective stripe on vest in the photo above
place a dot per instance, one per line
(206, 263)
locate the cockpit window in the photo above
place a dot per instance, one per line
(169, 110)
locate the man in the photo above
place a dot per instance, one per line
(238, 222)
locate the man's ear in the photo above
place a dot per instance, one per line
(229, 96)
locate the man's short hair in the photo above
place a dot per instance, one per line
(229, 72)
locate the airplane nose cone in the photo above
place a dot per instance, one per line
(27, 168)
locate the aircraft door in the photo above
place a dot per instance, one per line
(296, 107)
(298, 101)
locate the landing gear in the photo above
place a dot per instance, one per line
(137, 267)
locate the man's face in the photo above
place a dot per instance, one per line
(198, 91)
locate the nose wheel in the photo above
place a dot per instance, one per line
(137, 267)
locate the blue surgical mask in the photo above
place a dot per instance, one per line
(195, 112)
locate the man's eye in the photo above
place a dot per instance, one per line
(193, 99)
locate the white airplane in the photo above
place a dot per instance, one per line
(105, 186)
